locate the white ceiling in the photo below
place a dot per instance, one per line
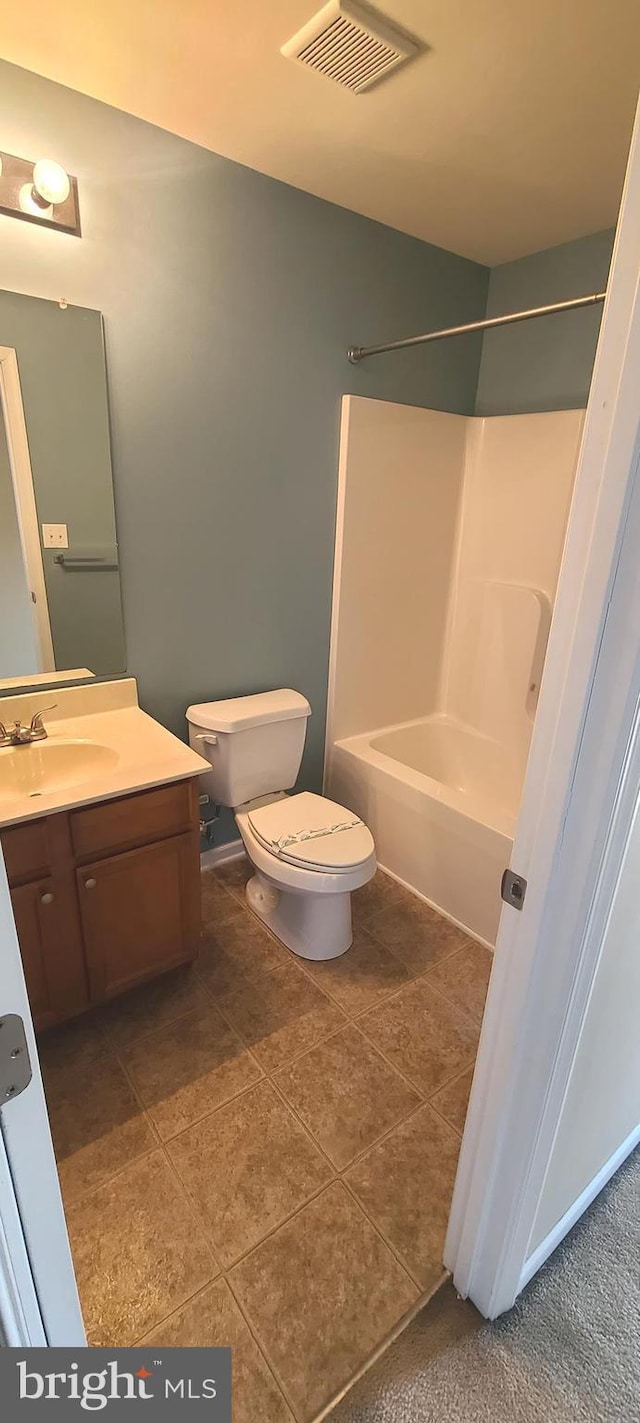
(509, 135)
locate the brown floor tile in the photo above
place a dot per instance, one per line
(321, 1293)
(247, 1167)
(138, 1252)
(213, 1318)
(346, 1094)
(419, 936)
(152, 1005)
(464, 978)
(216, 901)
(97, 1123)
(452, 1101)
(406, 1184)
(423, 1034)
(234, 875)
(74, 1043)
(235, 951)
(188, 1068)
(372, 898)
(363, 976)
(282, 1015)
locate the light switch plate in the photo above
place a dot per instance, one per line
(55, 536)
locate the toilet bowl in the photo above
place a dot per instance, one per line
(308, 853)
(303, 891)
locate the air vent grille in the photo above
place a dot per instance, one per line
(352, 45)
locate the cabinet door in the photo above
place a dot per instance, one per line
(140, 913)
(52, 958)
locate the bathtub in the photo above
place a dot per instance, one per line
(441, 801)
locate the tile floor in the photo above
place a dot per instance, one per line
(261, 1151)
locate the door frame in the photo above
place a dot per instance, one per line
(39, 1301)
(20, 1318)
(577, 810)
(12, 408)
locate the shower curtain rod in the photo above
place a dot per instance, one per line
(358, 353)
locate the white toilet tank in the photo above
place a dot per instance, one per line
(254, 744)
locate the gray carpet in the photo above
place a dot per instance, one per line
(569, 1350)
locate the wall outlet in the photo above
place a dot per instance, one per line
(55, 536)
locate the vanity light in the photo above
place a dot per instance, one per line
(50, 183)
(31, 203)
(39, 192)
(50, 187)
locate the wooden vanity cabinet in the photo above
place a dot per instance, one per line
(45, 908)
(51, 951)
(105, 897)
(139, 914)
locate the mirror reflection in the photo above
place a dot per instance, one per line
(59, 576)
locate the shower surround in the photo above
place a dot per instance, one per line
(449, 538)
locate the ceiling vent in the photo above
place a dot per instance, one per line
(351, 44)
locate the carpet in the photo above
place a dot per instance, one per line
(569, 1350)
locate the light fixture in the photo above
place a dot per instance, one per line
(31, 203)
(41, 192)
(50, 183)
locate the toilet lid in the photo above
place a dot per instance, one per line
(313, 832)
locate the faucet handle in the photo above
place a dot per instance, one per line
(36, 720)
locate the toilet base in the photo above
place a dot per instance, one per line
(313, 926)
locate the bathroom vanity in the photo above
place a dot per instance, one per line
(105, 896)
(104, 870)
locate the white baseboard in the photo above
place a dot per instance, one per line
(219, 854)
(555, 1236)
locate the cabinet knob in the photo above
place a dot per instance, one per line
(46, 898)
(89, 884)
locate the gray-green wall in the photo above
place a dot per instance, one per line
(229, 300)
(544, 364)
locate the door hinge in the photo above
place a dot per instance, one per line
(513, 889)
(15, 1064)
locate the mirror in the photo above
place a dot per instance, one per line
(60, 600)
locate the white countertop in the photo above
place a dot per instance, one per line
(108, 715)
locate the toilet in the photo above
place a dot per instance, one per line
(308, 853)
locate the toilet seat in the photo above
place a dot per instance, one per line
(312, 832)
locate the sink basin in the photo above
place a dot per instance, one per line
(45, 766)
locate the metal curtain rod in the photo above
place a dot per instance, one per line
(357, 353)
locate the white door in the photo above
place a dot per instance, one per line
(38, 1297)
(517, 1194)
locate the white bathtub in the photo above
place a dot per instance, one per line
(441, 801)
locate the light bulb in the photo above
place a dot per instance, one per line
(28, 202)
(50, 182)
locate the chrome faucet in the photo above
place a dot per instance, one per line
(19, 735)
